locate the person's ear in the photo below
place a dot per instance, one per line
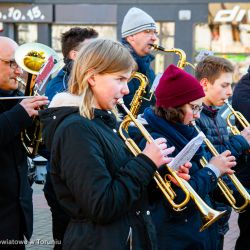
(72, 54)
(92, 78)
(130, 38)
(91, 81)
(204, 83)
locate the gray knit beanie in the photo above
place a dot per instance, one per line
(136, 20)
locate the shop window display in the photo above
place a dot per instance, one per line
(227, 34)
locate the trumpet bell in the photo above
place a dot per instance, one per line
(210, 217)
(31, 56)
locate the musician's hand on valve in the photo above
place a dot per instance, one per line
(158, 152)
(246, 134)
(31, 105)
(224, 162)
(182, 172)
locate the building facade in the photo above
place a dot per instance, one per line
(192, 25)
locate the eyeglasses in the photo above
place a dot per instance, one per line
(196, 108)
(151, 32)
(12, 63)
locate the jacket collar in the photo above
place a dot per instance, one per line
(210, 110)
(52, 117)
(107, 117)
(5, 93)
(178, 133)
(149, 58)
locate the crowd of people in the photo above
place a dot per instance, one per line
(102, 196)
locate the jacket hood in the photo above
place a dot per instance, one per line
(61, 106)
(51, 118)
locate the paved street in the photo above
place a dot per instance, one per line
(42, 236)
(42, 233)
(233, 232)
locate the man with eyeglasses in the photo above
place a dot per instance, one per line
(138, 32)
(16, 212)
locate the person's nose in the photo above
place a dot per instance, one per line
(125, 89)
(18, 70)
(197, 116)
(229, 91)
(154, 37)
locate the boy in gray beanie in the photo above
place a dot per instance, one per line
(138, 32)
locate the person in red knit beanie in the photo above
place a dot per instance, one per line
(179, 102)
(176, 87)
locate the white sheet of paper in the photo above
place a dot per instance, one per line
(187, 153)
(156, 82)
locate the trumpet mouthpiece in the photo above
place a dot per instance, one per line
(120, 101)
(192, 123)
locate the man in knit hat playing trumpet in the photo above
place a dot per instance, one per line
(138, 32)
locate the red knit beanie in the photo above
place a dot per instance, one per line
(176, 88)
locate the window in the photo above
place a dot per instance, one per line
(27, 33)
(227, 34)
(166, 39)
(105, 31)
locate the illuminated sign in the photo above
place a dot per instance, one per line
(232, 15)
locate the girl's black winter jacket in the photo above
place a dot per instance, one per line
(98, 182)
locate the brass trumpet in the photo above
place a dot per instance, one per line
(181, 53)
(208, 215)
(241, 119)
(222, 185)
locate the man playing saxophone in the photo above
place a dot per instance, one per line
(138, 32)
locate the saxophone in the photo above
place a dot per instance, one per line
(182, 63)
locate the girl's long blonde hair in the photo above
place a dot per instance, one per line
(101, 56)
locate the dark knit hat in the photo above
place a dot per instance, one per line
(176, 88)
(135, 21)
